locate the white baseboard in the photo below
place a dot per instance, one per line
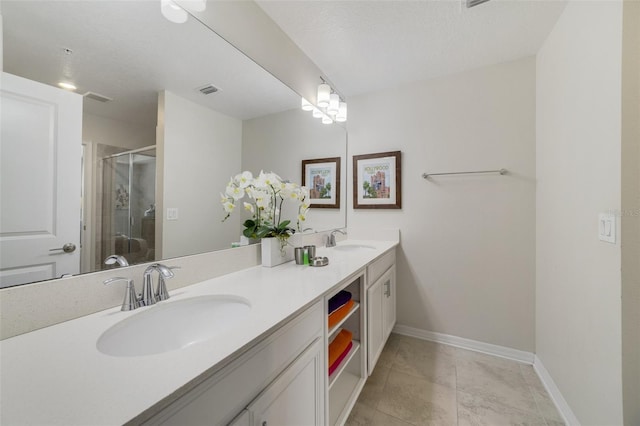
(561, 404)
(472, 345)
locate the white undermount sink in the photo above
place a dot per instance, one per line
(353, 247)
(173, 325)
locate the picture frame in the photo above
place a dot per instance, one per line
(377, 181)
(322, 177)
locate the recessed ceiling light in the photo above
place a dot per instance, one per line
(66, 85)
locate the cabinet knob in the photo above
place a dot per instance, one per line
(388, 290)
(264, 423)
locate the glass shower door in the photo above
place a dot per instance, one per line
(142, 218)
(128, 213)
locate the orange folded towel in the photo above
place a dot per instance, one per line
(333, 367)
(339, 344)
(340, 313)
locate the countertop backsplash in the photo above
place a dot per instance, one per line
(33, 306)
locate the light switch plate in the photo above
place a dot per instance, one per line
(172, 213)
(607, 227)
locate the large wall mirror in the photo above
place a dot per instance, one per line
(164, 114)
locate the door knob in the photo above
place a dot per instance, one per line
(67, 248)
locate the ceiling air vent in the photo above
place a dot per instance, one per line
(208, 89)
(97, 97)
(472, 3)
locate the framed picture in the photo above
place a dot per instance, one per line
(322, 177)
(376, 183)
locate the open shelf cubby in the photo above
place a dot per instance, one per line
(345, 383)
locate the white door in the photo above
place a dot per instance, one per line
(40, 159)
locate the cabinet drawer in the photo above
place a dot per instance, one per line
(380, 266)
(220, 398)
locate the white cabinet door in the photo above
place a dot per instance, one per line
(375, 331)
(381, 315)
(296, 397)
(224, 397)
(243, 419)
(389, 301)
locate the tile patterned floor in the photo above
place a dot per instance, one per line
(416, 382)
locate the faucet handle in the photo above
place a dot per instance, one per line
(161, 290)
(121, 260)
(331, 238)
(130, 301)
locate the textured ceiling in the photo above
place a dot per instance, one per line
(127, 51)
(363, 46)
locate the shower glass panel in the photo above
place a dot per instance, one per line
(128, 216)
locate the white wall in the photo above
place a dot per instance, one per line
(279, 143)
(199, 150)
(630, 215)
(578, 308)
(466, 262)
(106, 131)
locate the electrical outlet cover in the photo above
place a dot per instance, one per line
(172, 213)
(607, 227)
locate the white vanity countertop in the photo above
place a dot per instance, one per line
(57, 376)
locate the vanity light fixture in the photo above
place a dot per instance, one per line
(173, 12)
(334, 103)
(342, 113)
(306, 105)
(324, 95)
(329, 107)
(67, 85)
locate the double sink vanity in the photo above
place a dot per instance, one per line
(246, 348)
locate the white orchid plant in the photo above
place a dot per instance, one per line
(266, 195)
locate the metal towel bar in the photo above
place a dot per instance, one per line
(427, 175)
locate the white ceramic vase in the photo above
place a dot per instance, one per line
(273, 254)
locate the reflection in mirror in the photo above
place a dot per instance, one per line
(128, 206)
(156, 151)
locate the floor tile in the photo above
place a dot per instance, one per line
(373, 388)
(555, 423)
(466, 357)
(427, 362)
(382, 419)
(389, 351)
(531, 377)
(540, 395)
(546, 407)
(474, 410)
(417, 382)
(362, 415)
(425, 345)
(418, 401)
(494, 379)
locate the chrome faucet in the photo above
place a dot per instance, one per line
(331, 239)
(164, 274)
(116, 258)
(149, 297)
(131, 300)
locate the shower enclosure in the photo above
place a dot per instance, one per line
(128, 205)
